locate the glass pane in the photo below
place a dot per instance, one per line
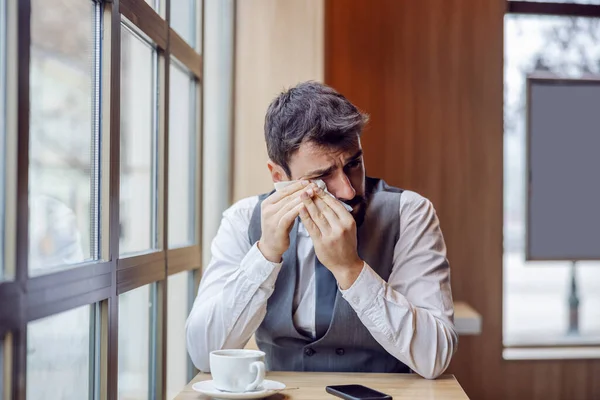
(153, 3)
(536, 294)
(178, 307)
(183, 130)
(184, 17)
(138, 148)
(2, 127)
(135, 308)
(58, 356)
(62, 171)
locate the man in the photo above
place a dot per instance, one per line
(321, 288)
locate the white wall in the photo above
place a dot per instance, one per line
(278, 44)
(218, 116)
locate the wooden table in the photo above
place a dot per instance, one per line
(311, 386)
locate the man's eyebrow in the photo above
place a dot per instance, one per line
(322, 171)
(325, 171)
(355, 157)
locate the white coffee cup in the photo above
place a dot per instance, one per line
(237, 370)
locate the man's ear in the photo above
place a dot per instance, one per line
(277, 172)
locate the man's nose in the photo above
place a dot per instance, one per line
(341, 187)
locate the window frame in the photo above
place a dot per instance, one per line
(189, 301)
(96, 182)
(195, 121)
(548, 8)
(91, 332)
(197, 34)
(97, 283)
(3, 129)
(548, 351)
(156, 158)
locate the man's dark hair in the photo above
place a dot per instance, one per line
(314, 112)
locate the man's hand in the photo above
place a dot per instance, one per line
(333, 231)
(278, 213)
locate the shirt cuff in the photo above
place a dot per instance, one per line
(364, 290)
(260, 270)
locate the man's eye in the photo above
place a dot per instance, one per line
(354, 164)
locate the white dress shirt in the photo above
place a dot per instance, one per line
(411, 316)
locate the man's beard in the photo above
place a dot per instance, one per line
(359, 209)
(360, 203)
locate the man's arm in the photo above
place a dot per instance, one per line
(234, 290)
(233, 294)
(411, 315)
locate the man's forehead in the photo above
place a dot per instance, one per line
(313, 152)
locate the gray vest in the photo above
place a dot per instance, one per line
(347, 346)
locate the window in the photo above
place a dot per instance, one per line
(86, 264)
(135, 315)
(63, 170)
(536, 306)
(183, 181)
(2, 129)
(138, 143)
(58, 356)
(185, 15)
(178, 307)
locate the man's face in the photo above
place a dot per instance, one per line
(342, 170)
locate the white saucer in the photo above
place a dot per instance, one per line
(266, 389)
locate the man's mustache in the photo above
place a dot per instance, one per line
(357, 200)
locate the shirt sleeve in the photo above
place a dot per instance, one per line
(232, 297)
(411, 315)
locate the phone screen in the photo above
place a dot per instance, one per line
(356, 392)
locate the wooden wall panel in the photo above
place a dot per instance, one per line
(594, 382)
(430, 75)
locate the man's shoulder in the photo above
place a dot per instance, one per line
(410, 197)
(242, 209)
(413, 204)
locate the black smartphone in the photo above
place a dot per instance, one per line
(356, 392)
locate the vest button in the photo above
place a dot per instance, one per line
(340, 351)
(309, 352)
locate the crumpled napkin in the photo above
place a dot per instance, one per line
(319, 182)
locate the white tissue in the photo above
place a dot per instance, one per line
(319, 182)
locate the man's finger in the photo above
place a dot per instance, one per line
(309, 224)
(326, 210)
(287, 191)
(288, 218)
(292, 203)
(335, 205)
(292, 199)
(315, 214)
